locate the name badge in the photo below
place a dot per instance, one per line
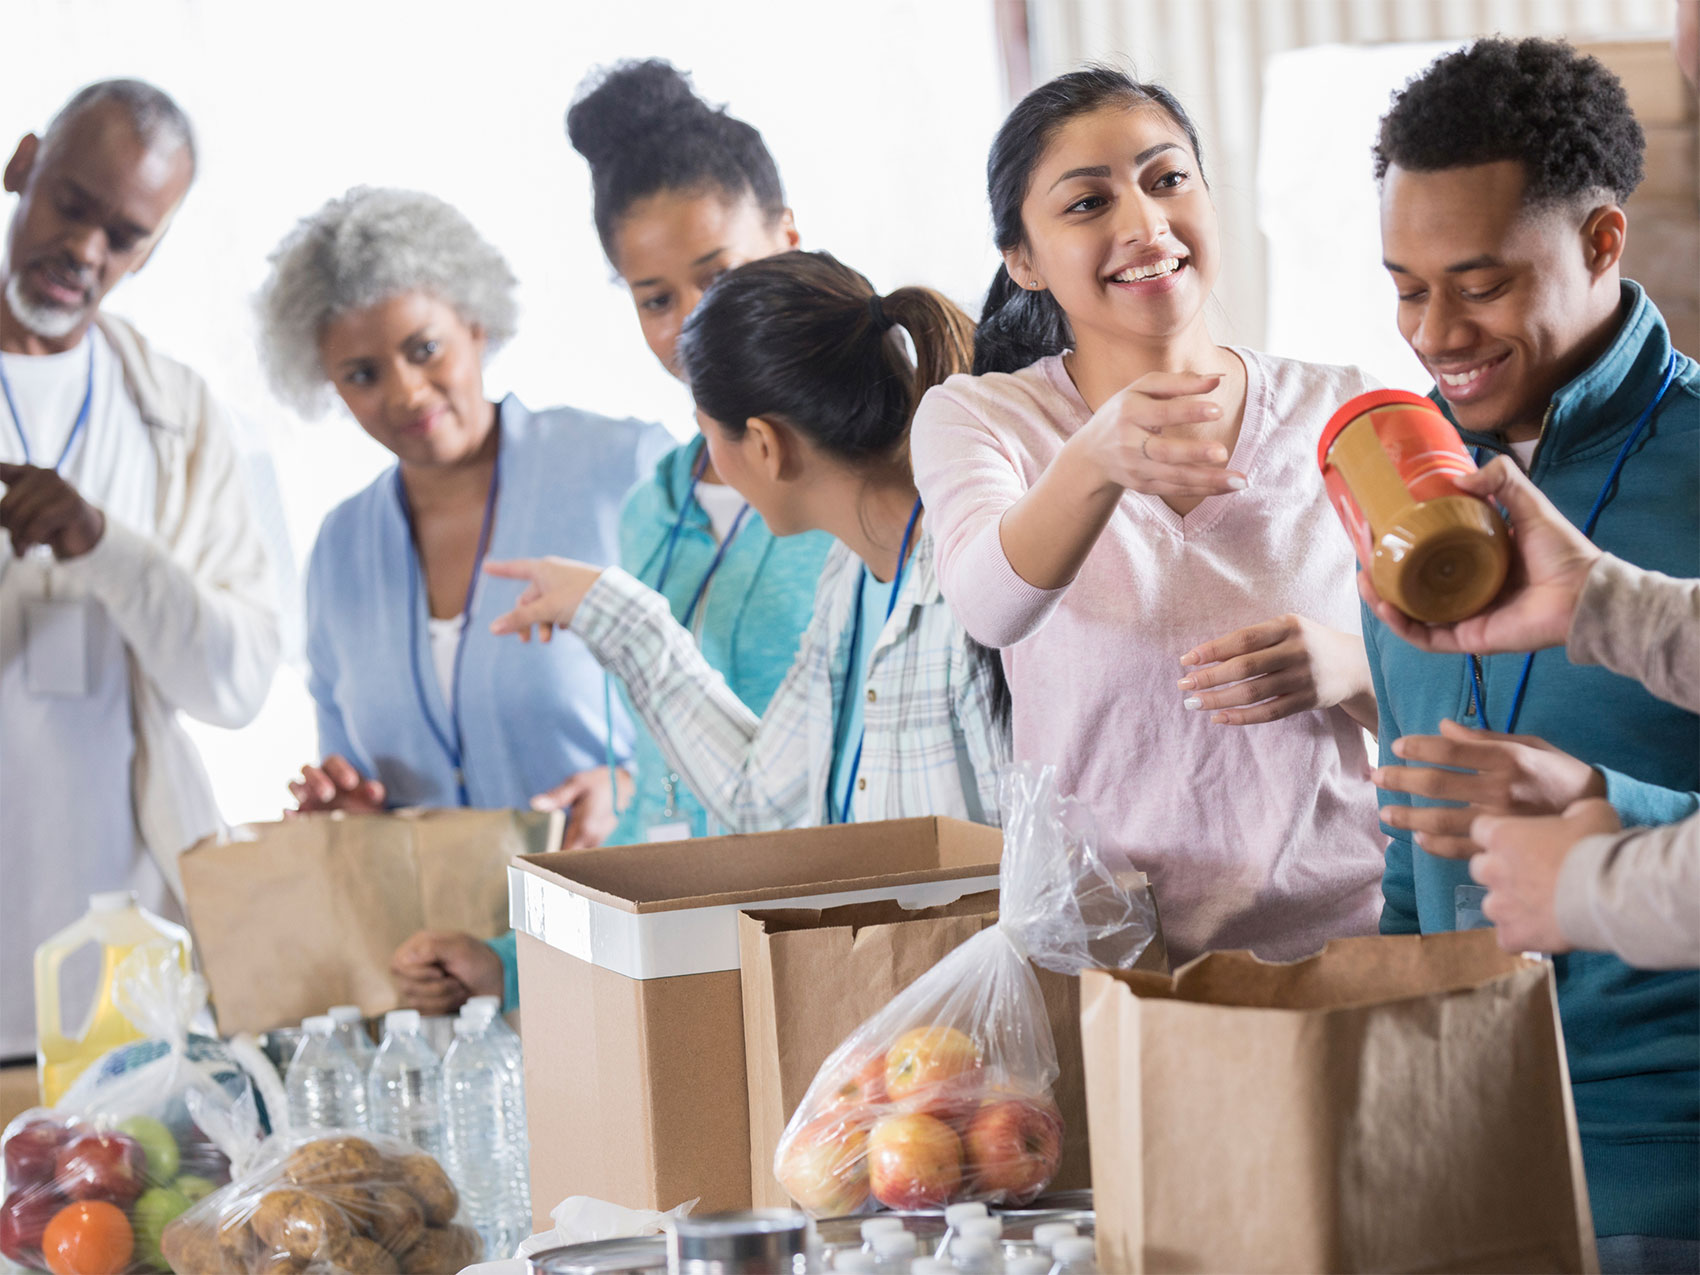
(56, 646)
(675, 830)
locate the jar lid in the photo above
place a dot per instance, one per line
(1356, 407)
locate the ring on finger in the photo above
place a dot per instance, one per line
(1143, 444)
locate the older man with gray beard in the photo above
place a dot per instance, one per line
(137, 586)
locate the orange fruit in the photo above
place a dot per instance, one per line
(90, 1237)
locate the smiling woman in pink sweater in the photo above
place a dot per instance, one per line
(1132, 513)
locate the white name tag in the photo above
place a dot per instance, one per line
(56, 646)
(677, 830)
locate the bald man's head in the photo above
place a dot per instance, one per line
(95, 194)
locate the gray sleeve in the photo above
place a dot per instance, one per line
(1643, 625)
(1636, 894)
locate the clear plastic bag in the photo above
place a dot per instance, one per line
(338, 1201)
(945, 1094)
(91, 1184)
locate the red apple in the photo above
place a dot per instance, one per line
(30, 1152)
(934, 1070)
(23, 1218)
(1013, 1147)
(825, 1167)
(101, 1166)
(858, 1086)
(914, 1162)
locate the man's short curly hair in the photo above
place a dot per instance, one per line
(365, 247)
(1562, 115)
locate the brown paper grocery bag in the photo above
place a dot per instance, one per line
(811, 977)
(1392, 1104)
(290, 918)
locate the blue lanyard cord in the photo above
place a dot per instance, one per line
(713, 566)
(1478, 691)
(76, 429)
(698, 468)
(450, 742)
(855, 648)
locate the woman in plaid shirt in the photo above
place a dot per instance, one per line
(805, 394)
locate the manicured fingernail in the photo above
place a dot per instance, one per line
(1191, 657)
(1376, 776)
(1218, 453)
(1219, 719)
(1398, 748)
(1386, 813)
(1187, 684)
(1236, 483)
(1192, 701)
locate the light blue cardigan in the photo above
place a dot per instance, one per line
(530, 714)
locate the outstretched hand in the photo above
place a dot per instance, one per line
(1550, 561)
(554, 589)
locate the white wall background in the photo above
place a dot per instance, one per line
(878, 112)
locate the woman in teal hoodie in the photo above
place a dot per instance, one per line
(1504, 237)
(683, 193)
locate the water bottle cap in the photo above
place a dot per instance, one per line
(874, 1225)
(478, 1004)
(1078, 1248)
(957, 1214)
(1029, 1264)
(111, 900)
(936, 1266)
(853, 1261)
(468, 1027)
(982, 1228)
(1048, 1233)
(402, 1022)
(318, 1025)
(898, 1243)
(340, 1014)
(969, 1248)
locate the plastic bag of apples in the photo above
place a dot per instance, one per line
(90, 1185)
(945, 1094)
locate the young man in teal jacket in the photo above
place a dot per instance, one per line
(1503, 230)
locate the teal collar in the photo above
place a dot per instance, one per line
(1594, 412)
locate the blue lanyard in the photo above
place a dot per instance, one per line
(450, 741)
(698, 468)
(1472, 664)
(855, 649)
(76, 429)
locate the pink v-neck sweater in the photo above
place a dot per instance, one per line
(1261, 837)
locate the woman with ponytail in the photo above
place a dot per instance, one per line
(805, 393)
(683, 193)
(1132, 513)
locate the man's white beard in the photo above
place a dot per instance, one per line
(49, 322)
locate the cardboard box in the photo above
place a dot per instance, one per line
(811, 977)
(633, 1015)
(1395, 1103)
(290, 918)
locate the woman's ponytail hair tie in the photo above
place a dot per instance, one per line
(876, 311)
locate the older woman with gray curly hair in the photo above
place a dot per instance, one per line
(393, 301)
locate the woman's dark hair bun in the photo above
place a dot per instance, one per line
(626, 105)
(644, 130)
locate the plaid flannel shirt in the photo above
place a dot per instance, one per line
(933, 743)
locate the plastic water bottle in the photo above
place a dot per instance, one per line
(937, 1266)
(853, 1261)
(972, 1255)
(481, 1141)
(1077, 1256)
(894, 1251)
(487, 1010)
(1027, 1264)
(325, 1087)
(956, 1214)
(404, 1088)
(875, 1225)
(351, 1031)
(1048, 1233)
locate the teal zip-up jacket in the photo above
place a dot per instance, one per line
(1633, 1036)
(747, 625)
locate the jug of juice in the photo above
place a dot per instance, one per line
(119, 926)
